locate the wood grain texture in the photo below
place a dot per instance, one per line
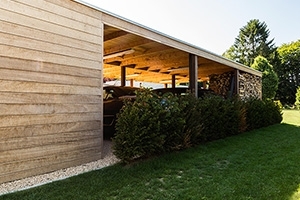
(38, 109)
(40, 35)
(31, 87)
(44, 56)
(50, 86)
(26, 120)
(49, 68)
(48, 129)
(33, 98)
(31, 76)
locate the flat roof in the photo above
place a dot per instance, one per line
(150, 54)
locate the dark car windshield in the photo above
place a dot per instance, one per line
(111, 92)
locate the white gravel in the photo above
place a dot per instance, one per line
(34, 181)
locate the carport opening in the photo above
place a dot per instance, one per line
(132, 60)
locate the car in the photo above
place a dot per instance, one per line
(113, 101)
(180, 91)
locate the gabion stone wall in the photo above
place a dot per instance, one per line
(220, 83)
(249, 85)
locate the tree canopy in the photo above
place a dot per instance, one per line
(288, 71)
(251, 42)
(269, 77)
(297, 102)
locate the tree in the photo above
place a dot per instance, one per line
(269, 77)
(288, 72)
(251, 42)
(297, 102)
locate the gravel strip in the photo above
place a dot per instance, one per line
(35, 181)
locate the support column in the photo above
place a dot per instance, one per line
(237, 83)
(123, 75)
(173, 81)
(131, 82)
(193, 72)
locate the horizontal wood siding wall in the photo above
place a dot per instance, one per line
(50, 86)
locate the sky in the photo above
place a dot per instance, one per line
(212, 25)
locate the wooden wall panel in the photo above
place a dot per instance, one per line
(50, 86)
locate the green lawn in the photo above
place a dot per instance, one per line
(261, 164)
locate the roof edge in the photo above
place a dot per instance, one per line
(225, 60)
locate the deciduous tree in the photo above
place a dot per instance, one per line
(288, 71)
(269, 77)
(297, 103)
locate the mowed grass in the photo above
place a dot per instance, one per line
(261, 164)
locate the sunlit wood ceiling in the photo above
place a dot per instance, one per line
(150, 61)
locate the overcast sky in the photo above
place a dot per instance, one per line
(212, 25)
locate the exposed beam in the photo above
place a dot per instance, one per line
(114, 35)
(108, 49)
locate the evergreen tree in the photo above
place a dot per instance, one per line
(251, 42)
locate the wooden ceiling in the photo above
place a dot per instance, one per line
(150, 61)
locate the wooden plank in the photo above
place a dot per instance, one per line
(33, 33)
(35, 109)
(48, 168)
(62, 154)
(42, 56)
(32, 87)
(24, 155)
(32, 98)
(27, 120)
(47, 16)
(45, 129)
(77, 7)
(20, 19)
(49, 47)
(39, 66)
(8, 144)
(43, 162)
(29, 76)
(56, 11)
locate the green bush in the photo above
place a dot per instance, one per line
(154, 124)
(148, 126)
(262, 113)
(192, 132)
(136, 133)
(220, 117)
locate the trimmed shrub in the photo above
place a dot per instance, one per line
(192, 132)
(262, 113)
(153, 124)
(220, 117)
(148, 126)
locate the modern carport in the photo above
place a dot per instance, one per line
(54, 55)
(137, 53)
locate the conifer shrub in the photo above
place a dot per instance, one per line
(220, 117)
(148, 126)
(154, 124)
(262, 113)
